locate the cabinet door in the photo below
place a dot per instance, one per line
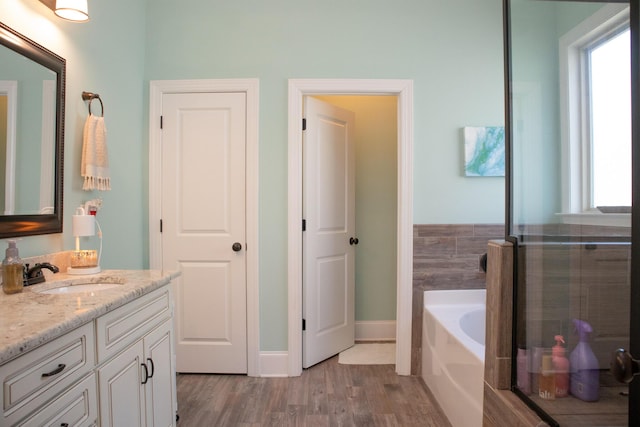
(121, 389)
(161, 387)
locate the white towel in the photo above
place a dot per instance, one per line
(95, 160)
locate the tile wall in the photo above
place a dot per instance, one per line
(446, 256)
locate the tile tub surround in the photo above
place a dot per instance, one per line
(501, 406)
(30, 319)
(445, 256)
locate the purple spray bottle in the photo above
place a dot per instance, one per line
(585, 374)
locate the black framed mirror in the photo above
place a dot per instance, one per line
(32, 98)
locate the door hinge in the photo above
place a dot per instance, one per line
(304, 124)
(161, 226)
(161, 122)
(304, 325)
(304, 225)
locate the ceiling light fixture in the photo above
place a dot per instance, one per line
(72, 10)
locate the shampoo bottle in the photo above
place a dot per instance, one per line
(560, 367)
(12, 270)
(585, 375)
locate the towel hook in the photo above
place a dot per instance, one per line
(89, 96)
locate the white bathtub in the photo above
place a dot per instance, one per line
(453, 335)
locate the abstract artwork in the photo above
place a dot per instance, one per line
(484, 151)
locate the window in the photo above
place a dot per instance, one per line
(595, 82)
(609, 65)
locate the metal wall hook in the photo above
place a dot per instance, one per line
(90, 96)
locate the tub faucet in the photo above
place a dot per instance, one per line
(34, 274)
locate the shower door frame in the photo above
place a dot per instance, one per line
(634, 300)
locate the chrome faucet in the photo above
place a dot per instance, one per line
(34, 275)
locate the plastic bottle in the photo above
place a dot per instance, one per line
(560, 367)
(547, 379)
(585, 375)
(523, 382)
(12, 270)
(535, 354)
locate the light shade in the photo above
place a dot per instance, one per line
(72, 10)
(83, 225)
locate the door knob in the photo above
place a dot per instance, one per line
(237, 247)
(353, 241)
(623, 366)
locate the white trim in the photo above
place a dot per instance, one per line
(403, 89)
(47, 146)
(251, 88)
(376, 330)
(575, 139)
(597, 218)
(10, 89)
(273, 363)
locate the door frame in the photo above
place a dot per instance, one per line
(403, 89)
(157, 88)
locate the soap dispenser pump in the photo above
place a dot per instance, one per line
(560, 367)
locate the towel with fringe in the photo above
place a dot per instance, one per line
(95, 160)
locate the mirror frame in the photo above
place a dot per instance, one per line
(29, 225)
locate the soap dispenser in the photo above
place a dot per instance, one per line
(12, 270)
(560, 367)
(585, 374)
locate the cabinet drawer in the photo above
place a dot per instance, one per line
(31, 379)
(77, 407)
(123, 326)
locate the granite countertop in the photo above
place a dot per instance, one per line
(30, 318)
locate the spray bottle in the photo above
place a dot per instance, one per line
(560, 367)
(585, 375)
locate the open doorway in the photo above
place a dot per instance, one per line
(402, 91)
(368, 300)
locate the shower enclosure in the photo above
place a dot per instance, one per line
(572, 130)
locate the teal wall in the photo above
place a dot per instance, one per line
(109, 61)
(452, 50)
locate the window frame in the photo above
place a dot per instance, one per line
(575, 111)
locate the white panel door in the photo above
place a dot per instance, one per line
(203, 216)
(329, 213)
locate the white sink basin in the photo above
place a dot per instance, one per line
(80, 288)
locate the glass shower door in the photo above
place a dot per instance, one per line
(569, 129)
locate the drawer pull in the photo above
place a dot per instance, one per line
(152, 367)
(64, 425)
(56, 371)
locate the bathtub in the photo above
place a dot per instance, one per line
(453, 336)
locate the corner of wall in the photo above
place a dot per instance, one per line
(501, 406)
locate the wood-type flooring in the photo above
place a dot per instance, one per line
(327, 394)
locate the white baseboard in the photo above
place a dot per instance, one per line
(274, 363)
(376, 330)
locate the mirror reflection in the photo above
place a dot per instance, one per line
(27, 135)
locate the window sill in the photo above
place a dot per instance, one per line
(597, 218)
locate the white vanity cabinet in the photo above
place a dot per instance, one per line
(117, 370)
(137, 381)
(35, 381)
